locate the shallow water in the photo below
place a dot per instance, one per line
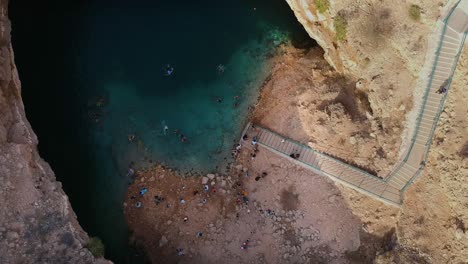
(74, 55)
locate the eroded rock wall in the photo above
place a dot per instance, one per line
(37, 223)
(381, 47)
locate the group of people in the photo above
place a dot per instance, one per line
(235, 150)
(169, 70)
(236, 99)
(181, 136)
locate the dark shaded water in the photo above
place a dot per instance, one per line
(74, 55)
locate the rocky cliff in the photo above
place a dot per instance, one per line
(380, 44)
(37, 223)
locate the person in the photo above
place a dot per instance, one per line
(199, 234)
(442, 90)
(138, 204)
(255, 148)
(234, 153)
(219, 99)
(166, 128)
(245, 245)
(294, 155)
(168, 70)
(180, 251)
(245, 137)
(220, 68)
(254, 140)
(158, 199)
(131, 137)
(143, 191)
(238, 147)
(130, 172)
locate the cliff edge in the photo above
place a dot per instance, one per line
(37, 223)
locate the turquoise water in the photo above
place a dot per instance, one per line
(74, 55)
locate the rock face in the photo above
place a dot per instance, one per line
(379, 45)
(37, 223)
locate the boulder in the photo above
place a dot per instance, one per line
(163, 241)
(204, 180)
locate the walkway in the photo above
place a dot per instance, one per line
(439, 67)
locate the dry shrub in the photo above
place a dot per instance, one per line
(415, 12)
(340, 25)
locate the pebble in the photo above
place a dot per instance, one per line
(204, 180)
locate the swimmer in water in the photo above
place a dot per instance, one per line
(220, 68)
(168, 70)
(166, 128)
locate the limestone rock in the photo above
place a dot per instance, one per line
(163, 241)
